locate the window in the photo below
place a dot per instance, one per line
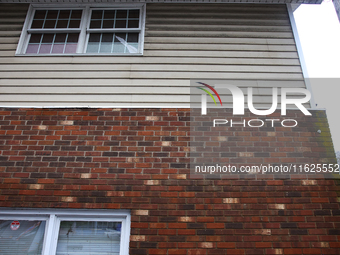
(86, 29)
(61, 232)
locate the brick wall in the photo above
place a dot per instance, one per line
(137, 159)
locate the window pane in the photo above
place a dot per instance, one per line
(108, 23)
(92, 47)
(76, 14)
(35, 38)
(97, 14)
(52, 14)
(72, 38)
(40, 14)
(96, 24)
(60, 38)
(132, 38)
(37, 24)
(58, 48)
(107, 37)
(64, 14)
(32, 48)
(94, 38)
(62, 23)
(110, 14)
(74, 23)
(49, 24)
(120, 23)
(21, 237)
(48, 38)
(133, 14)
(45, 48)
(89, 237)
(133, 24)
(121, 14)
(71, 48)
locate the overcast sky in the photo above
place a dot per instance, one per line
(319, 32)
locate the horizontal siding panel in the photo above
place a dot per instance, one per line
(217, 27)
(150, 75)
(219, 21)
(113, 90)
(116, 98)
(221, 54)
(219, 47)
(247, 44)
(13, 40)
(94, 82)
(10, 27)
(65, 90)
(7, 46)
(207, 40)
(95, 98)
(158, 68)
(10, 33)
(147, 60)
(143, 82)
(225, 34)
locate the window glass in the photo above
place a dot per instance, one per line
(53, 43)
(22, 237)
(89, 238)
(70, 31)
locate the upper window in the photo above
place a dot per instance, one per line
(86, 30)
(47, 232)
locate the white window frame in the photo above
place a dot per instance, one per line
(84, 29)
(54, 217)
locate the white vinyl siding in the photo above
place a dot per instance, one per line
(235, 42)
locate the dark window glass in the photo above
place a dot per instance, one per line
(35, 38)
(97, 14)
(133, 24)
(39, 14)
(120, 23)
(94, 38)
(48, 38)
(72, 38)
(121, 14)
(96, 24)
(37, 24)
(62, 23)
(49, 24)
(110, 14)
(134, 14)
(74, 23)
(64, 14)
(52, 14)
(108, 23)
(76, 14)
(60, 38)
(107, 37)
(132, 38)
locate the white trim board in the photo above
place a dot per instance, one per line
(300, 53)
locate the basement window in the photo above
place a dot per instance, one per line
(62, 232)
(87, 29)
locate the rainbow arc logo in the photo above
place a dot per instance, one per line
(209, 93)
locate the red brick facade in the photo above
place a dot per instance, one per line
(137, 159)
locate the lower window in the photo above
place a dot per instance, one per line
(64, 232)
